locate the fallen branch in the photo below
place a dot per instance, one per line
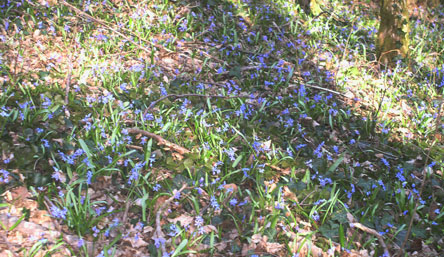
(136, 147)
(375, 233)
(158, 234)
(159, 140)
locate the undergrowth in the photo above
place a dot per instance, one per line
(193, 128)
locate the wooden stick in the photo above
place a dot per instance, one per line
(375, 233)
(321, 88)
(158, 232)
(159, 140)
(136, 147)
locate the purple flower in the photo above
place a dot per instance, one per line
(159, 241)
(135, 172)
(157, 187)
(96, 231)
(45, 143)
(58, 213)
(57, 175)
(214, 203)
(89, 175)
(80, 243)
(177, 195)
(318, 151)
(174, 230)
(386, 163)
(4, 176)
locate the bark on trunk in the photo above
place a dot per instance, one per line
(393, 35)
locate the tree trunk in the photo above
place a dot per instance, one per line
(310, 6)
(393, 35)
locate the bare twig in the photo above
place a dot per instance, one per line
(421, 189)
(353, 223)
(159, 140)
(136, 147)
(321, 88)
(246, 68)
(125, 213)
(158, 234)
(375, 233)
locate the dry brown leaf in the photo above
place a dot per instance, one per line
(256, 238)
(136, 243)
(209, 228)
(183, 219)
(273, 248)
(290, 195)
(285, 171)
(232, 188)
(148, 229)
(177, 156)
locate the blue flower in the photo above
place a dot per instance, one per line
(80, 243)
(159, 241)
(318, 151)
(214, 203)
(386, 163)
(96, 231)
(58, 213)
(4, 178)
(174, 230)
(135, 172)
(157, 187)
(89, 175)
(45, 143)
(57, 175)
(315, 216)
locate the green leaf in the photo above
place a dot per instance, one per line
(17, 222)
(180, 247)
(329, 229)
(306, 178)
(176, 82)
(235, 71)
(290, 75)
(188, 163)
(341, 235)
(166, 127)
(336, 164)
(236, 162)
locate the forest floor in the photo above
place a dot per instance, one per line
(217, 128)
